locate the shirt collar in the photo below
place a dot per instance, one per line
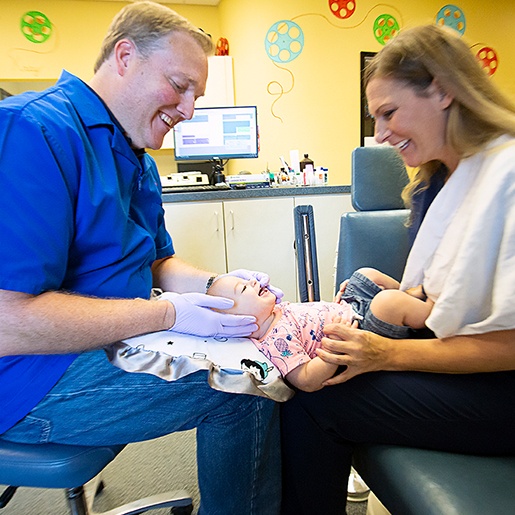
(91, 107)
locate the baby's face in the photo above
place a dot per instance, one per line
(249, 297)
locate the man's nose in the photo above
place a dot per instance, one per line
(186, 107)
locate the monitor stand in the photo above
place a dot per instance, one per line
(218, 171)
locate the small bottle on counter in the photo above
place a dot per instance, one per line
(305, 162)
(319, 176)
(307, 169)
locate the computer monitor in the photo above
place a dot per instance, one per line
(217, 133)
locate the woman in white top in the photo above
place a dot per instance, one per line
(455, 391)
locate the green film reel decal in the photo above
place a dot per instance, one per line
(386, 27)
(35, 26)
(284, 41)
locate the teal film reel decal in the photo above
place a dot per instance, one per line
(284, 41)
(35, 26)
(452, 16)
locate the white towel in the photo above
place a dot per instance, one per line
(464, 253)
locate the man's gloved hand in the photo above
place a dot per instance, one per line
(262, 278)
(193, 316)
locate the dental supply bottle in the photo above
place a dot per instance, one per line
(306, 161)
(307, 168)
(319, 176)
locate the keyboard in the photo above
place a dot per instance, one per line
(194, 188)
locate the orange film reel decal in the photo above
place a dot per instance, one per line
(488, 59)
(222, 47)
(342, 8)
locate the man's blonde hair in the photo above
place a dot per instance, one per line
(146, 24)
(479, 112)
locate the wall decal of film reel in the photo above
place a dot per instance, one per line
(488, 59)
(452, 16)
(342, 8)
(284, 41)
(386, 27)
(35, 26)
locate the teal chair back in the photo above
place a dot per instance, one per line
(375, 235)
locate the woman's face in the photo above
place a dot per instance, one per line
(413, 124)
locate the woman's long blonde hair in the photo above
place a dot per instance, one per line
(479, 112)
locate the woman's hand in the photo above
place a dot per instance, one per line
(360, 351)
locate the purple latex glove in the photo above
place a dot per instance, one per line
(262, 278)
(192, 316)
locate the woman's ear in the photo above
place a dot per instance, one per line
(444, 99)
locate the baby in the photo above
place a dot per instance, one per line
(288, 334)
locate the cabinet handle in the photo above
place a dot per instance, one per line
(217, 215)
(232, 220)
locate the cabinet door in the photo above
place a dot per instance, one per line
(327, 210)
(260, 236)
(197, 231)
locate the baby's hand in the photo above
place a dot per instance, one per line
(417, 292)
(338, 296)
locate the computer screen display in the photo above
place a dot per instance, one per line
(218, 133)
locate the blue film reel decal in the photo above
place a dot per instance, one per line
(452, 16)
(284, 41)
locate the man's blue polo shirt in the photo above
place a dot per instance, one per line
(79, 212)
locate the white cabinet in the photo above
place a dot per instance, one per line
(220, 84)
(327, 210)
(197, 230)
(219, 89)
(257, 234)
(260, 236)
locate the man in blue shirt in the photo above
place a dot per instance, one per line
(83, 242)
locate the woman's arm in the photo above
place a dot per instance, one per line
(310, 376)
(362, 351)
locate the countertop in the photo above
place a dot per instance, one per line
(281, 191)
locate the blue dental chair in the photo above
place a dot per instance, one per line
(375, 235)
(409, 481)
(70, 467)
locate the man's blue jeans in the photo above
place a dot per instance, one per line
(238, 450)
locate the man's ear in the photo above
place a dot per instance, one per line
(124, 51)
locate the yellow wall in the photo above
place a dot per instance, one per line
(321, 113)
(319, 110)
(78, 30)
